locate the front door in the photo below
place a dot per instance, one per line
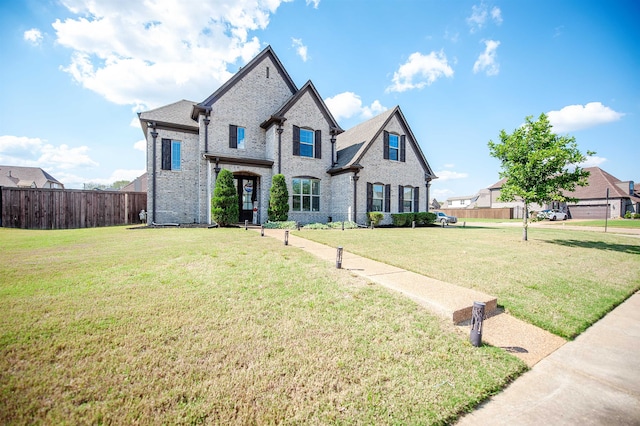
(247, 189)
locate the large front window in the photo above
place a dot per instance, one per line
(306, 143)
(306, 195)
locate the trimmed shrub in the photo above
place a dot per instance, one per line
(224, 203)
(375, 218)
(278, 199)
(289, 224)
(406, 219)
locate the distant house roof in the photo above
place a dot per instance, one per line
(27, 177)
(596, 188)
(139, 184)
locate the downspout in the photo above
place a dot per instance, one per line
(334, 160)
(279, 129)
(356, 168)
(154, 135)
(206, 133)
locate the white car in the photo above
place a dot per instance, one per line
(556, 215)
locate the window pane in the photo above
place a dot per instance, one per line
(175, 155)
(306, 150)
(306, 203)
(296, 203)
(315, 204)
(407, 206)
(306, 186)
(378, 191)
(296, 186)
(393, 141)
(377, 205)
(240, 137)
(315, 187)
(306, 136)
(393, 154)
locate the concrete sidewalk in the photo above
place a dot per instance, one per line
(449, 301)
(593, 380)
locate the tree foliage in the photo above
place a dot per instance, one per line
(278, 199)
(224, 203)
(539, 166)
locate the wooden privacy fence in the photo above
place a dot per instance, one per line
(483, 213)
(29, 208)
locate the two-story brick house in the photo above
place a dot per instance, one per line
(259, 124)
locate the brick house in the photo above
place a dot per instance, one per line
(259, 124)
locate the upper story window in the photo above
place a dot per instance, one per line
(394, 147)
(307, 142)
(171, 154)
(306, 195)
(236, 137)
(378, 197)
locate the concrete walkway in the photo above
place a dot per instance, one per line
(452, 302)
(593, 380)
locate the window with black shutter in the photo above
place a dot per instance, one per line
(416, 199)
(296, 140)
(166, 154)
(233, 136)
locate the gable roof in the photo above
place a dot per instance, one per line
(267, 52)
(16, 176)
(355, 142)
(598, 183)
(307, 88)
(175, 115)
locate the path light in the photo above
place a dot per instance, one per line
(262, 230)
(339, 258)
(477, 317)
(246, 224)
(298, 225)
(343, 225)
(413, 224)
(464, 224)
(442, 222)
(286, 237)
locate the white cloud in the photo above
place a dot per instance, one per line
(578, 117)
(419, 71)
(315, 3)
(487, 60)
(33, 36)
(126, 52)
(301, 49)
(141, 145)
(441, 194)
(593, 161)
(444, 175)
(481, 14)
(135, 122)
(348, 104)
(35, 152)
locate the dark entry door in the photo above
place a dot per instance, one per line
(247, 189)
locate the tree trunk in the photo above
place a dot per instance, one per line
(525, 221)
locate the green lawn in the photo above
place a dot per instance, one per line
(612, 223)
(222, 326)
(560, 280)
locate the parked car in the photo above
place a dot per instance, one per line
(555, 214)
(443, 218)
(543, 214)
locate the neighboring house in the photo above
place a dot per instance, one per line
(139, 184)
(494, 203)
(27, 177)
(259, 124)
(461, 202)
(592, 199)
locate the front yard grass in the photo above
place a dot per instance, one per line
(560, 280)
(184, 326)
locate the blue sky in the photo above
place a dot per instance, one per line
(76, 72)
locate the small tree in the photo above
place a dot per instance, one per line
(224, 204)
(278, 199)
(538, 164)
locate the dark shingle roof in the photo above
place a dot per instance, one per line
(598, 182)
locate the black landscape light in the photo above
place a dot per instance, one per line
(246, 224)
(477, 317)
(286, 237)
(339, 258)
(262, 230)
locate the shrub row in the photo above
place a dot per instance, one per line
(406, 219)
(629, 215)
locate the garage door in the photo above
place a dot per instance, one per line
(588, 212)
